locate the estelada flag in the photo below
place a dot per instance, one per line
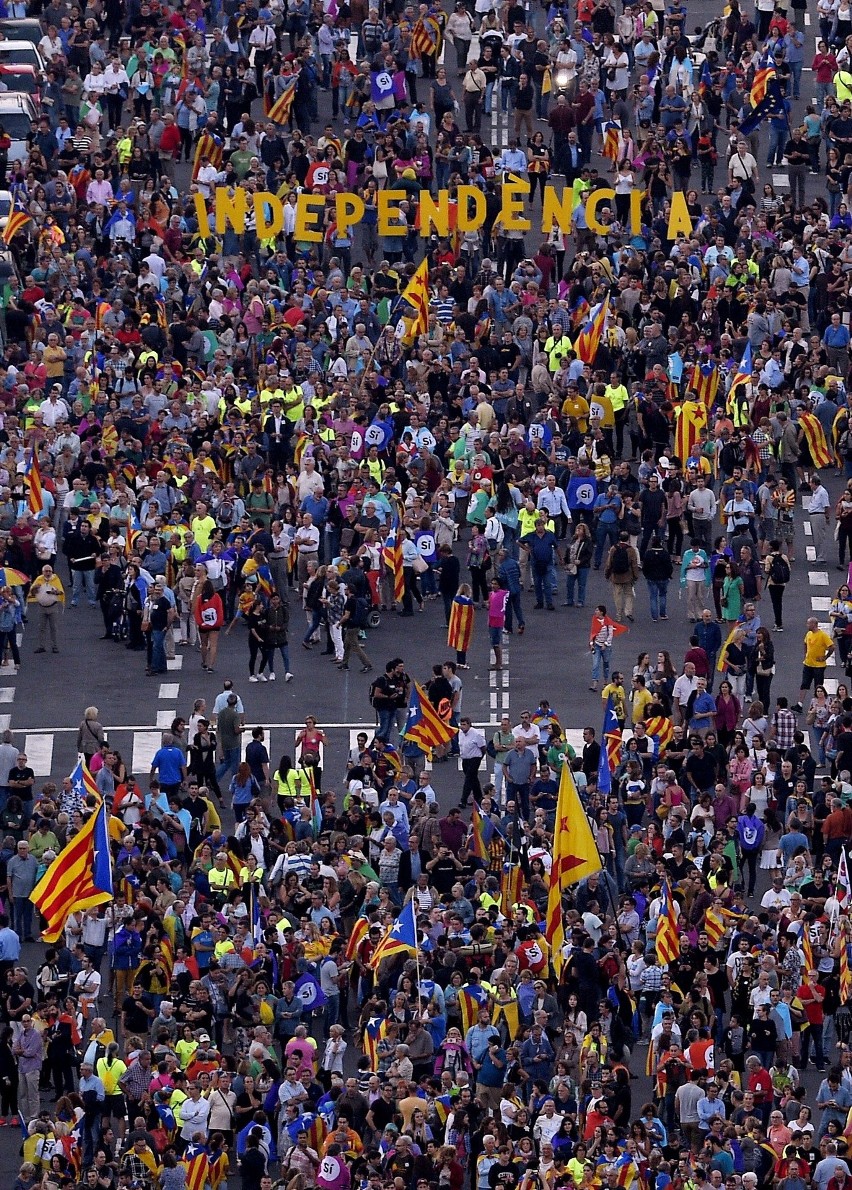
(416, 293)
(79, 877)
(814, 434)
(359, 933)
(666, 941)
(589, 337)
(691, 420)
(575, 856)
(460, 630)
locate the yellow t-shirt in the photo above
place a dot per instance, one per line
(578, 408)
(817, 645)
(203, 530)
(642, 699)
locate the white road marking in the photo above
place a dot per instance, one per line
(174, 663)
(169, 689)
(39, 750)
(810, 551)
(145, 744)
(165, 718)
(820, 603)
(780, 180)
(808, 528)
(7, 693)
(818, 578)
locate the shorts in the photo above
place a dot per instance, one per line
(812, 673)
(114, 1105)
(768, 529)
(495, 636)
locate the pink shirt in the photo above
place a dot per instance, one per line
(497, 609)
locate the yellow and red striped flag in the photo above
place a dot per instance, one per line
(79, 877)
(35, 496)
(392, 557)
(280, 111)
(666, 941)
(818, 448)
(589, 337)
(460, 629)
(17, 221)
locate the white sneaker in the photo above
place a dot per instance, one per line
(253, 677)
(261, 677)
(272, 677)
(288, 677)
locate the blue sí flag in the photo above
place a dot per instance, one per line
(381, 85)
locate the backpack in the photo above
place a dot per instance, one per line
(620, 560)
(362, 612)
(779, 570)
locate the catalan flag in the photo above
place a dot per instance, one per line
(400, 938)
(218, 1169)
(818, 448)
(610, 748)
(392, 558)
(425, 37)
(666, 940)
(579, 309)
(359, 932)
(611, 138)
(79, 877)
(196, 1162)
(18, 219)
(589, 337)
(374, 1031)
(508, 1012)
(460, 630)
(35, 495)
(471, 998)
(282, 108)
(316, 808)
(575, 856)
(705, 81)
(845, 973)
(760, 85)
(805, 943)
(424, 726)
(511, 887)
(416, 294)
(661, 731)
(705, 381)
(744, 370)
(714, 925)
(210, 146)
(691, 419)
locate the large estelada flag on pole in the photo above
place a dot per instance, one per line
(79, 877)
(424, 726)
(575, 856)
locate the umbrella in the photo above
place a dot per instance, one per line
(13, 578)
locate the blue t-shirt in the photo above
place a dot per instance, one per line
(168, 762)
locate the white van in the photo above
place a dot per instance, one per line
(21, 53)
(17, 111)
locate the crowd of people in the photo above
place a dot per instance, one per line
(210, 435)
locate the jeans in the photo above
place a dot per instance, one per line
(796, 68)
(22, 917)
(545, 585)
(812, 1035)
(316, 620)
(601, 655)
(230, 761)
(777, 141)
(386, 718)
(520, 795)
(577, 581)
(657, 592)
(83, 581)
(284, 650)
(605, 534)
(158, 650)
(513, 606)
